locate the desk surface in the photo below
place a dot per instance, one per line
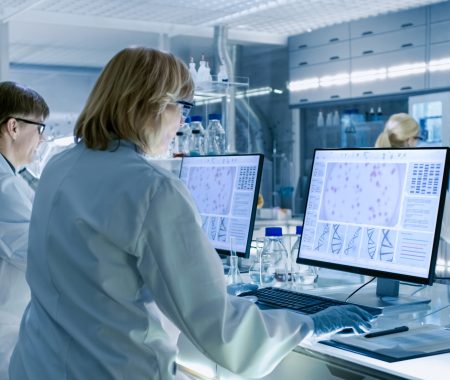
(339, 283)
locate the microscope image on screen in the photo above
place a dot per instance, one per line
(374, 209)
(225, 190)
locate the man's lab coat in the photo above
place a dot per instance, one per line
(16, 199)
(116, 247)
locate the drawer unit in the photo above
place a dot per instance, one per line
(440, 12)
(387, 23)
(440, 32)
(411, 82)
(322, 36)
(321, 54)
(388, 86)
(400, 39)
(399, 57)
(320, 70)
(322, 94)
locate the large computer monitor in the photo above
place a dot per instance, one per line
(376, 212)
(225, 190)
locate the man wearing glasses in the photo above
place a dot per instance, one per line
(22, 112)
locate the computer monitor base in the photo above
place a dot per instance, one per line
(387, 297)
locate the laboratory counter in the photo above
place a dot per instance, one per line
(315, 360)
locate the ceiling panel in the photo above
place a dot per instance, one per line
(79, 32)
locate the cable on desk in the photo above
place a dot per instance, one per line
(435, 311)
(362, 286)
(422, 287)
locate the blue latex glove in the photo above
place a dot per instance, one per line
(336, 318)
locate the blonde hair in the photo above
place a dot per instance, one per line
(398, 129)
(129, 97)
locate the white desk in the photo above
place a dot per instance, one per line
(313, 360)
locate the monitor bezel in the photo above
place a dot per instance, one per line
(378, 273)
(260, 156)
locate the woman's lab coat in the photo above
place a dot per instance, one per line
(115, 246)
(16, 199)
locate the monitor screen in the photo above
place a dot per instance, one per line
(225, 190)
(376, 211)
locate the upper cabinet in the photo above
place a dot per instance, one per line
(323, 36)
(387, 23)
(379, 55)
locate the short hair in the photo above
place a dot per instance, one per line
(18, 100)
(129, 97)
(398, 129)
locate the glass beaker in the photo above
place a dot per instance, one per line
(255, 267)
(234, 276)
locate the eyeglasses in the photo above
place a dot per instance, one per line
(418, 138)
(185, 108)
(40, 126)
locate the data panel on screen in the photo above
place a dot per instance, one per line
(225, 190)
(375, 209)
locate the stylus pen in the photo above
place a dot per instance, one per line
(387, 332)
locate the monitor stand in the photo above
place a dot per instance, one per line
(387, 297)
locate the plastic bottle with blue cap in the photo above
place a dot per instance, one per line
(274, 259)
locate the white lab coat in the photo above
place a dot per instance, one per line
(109, 232)
(16, 198)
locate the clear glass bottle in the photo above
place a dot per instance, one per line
(215, 135)
(192, 69)
(233, 276)
(196, 144)
(196, 125)
(301, 274)
(274, 259)
(178, 147)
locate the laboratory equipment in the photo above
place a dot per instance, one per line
(432, 111)
(301, 274)
(233, 276)
(274, 259)
(196, 125)
(192, 69)
(196, 143)
(225, 190)
(255, 269)
(215, 135)
(376, 212)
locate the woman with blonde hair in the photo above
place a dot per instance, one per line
(400, 131)
(117, 250)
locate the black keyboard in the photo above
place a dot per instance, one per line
(300, 302)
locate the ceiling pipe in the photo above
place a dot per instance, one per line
(228, 103)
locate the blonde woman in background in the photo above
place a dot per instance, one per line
(400, 131)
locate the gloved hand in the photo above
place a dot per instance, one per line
(336, 318)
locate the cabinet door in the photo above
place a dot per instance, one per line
(440, 12)
(387, 23)
(401, 39)
(321, 36)
(320, 94)
(439, 78)
(440, 32)
(320, 72)
(332, 52)
(405, 83)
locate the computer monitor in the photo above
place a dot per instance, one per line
(225, 190)
(376, 212)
